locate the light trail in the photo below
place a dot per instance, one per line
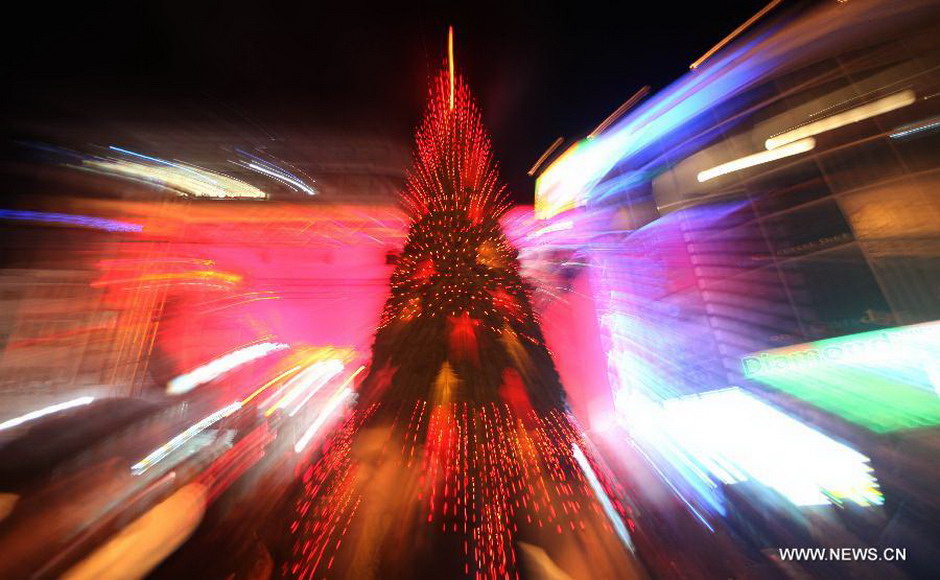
(33, 415)
(175, 443)
(216, 368)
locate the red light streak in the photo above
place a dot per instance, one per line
(450, 62)
(484, 473)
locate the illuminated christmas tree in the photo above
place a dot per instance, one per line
(458, 326)
(462, 457)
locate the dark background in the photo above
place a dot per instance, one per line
(540, 70)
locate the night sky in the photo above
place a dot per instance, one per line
(540, 70)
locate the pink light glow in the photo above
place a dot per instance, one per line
(306, 276)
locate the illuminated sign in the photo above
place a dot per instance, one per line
(883, 380)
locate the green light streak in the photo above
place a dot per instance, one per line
(883, 380)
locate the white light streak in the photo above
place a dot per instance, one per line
(346, 382)
(277, 175)
(545, 155)
(175, 443)
(183, 179)
(325, 377)
(795, 148)
(213, 369)
(736, 437)
(556, 227)
(322, 418)
(612, 514)
(734, 34)
(17, 421)
(908, 130)
(866, 111)
(308, 381)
